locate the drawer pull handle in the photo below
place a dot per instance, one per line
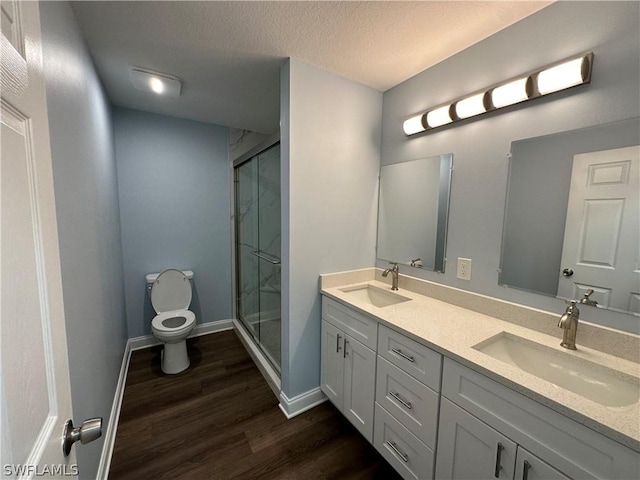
(397, 351)
(525, 470)
(346, 342)
(400, 399)
(338, 337)
(393, 447)
(496, 473)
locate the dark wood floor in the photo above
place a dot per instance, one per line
(220, 420)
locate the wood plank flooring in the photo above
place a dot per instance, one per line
(220, 420)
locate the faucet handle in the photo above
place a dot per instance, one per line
(586, 300)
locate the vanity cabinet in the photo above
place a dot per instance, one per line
(477, 413)
(407, 403)
(348, 367)
(429, 415)
(471, 449)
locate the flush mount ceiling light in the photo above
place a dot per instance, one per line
(155, 82)
(543, 81)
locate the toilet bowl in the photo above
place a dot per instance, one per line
(171, 297)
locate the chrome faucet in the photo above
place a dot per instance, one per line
(586, 300)
(569, 323)
(394, 275)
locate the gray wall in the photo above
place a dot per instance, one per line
(480, 146)
(86, 191)
(538, 194)
(173, 178)
(330, 139)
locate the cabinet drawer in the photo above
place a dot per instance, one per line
(412, 357)
(356, 325)
(569, 446)
(401, 448)
(414, 404)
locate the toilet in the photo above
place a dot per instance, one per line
(170, 293)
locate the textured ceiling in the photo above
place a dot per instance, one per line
(228, 54)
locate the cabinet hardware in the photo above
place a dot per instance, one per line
(525, 470)
(338, 337)
(397, 351)
(400, 399)
(393, 447)
(499, 449)
(346, 342)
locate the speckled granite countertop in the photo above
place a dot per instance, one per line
(453, 331)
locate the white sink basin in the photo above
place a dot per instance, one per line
(376, 296)
(597, 383)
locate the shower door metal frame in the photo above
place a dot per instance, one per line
(246, 157)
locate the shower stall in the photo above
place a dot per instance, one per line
(257, 248)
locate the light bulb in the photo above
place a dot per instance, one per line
(156, 85)
(470, 106)
(561, 76)
(439, 116)
(510, 93)
(413, 125)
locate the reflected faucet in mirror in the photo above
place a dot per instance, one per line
(586, 300)
(394, 275)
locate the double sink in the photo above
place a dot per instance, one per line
(603, 385)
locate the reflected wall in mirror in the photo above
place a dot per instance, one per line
(572, 216)
(413, 210)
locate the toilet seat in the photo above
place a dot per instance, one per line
(159, 323)
(171, 291)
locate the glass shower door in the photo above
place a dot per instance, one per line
(258, 249)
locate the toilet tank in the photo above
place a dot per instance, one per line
(151, 277)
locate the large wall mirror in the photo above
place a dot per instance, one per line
(413, 210)
(572, 220)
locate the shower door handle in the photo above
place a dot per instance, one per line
(258, 254)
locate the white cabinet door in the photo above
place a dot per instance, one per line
(470, 449)
(359, 386)
(332, 363)
(530, 467)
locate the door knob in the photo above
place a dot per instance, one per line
(567, 272)
(87, 432)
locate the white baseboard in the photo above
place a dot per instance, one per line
(110, 435)
(270, 375)
(138, 343)
(301, 403)
(145, 341)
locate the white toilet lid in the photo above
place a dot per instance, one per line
(171, 291)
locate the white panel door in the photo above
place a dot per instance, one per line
(470, 449)
(530, 467)
(602, 230)
(35, 398)
(332, 363)
(359, 386)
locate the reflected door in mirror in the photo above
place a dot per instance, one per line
(602, 230)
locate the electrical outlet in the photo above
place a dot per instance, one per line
(464, 268)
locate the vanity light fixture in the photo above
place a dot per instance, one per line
(159, 83)
(552, 78)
